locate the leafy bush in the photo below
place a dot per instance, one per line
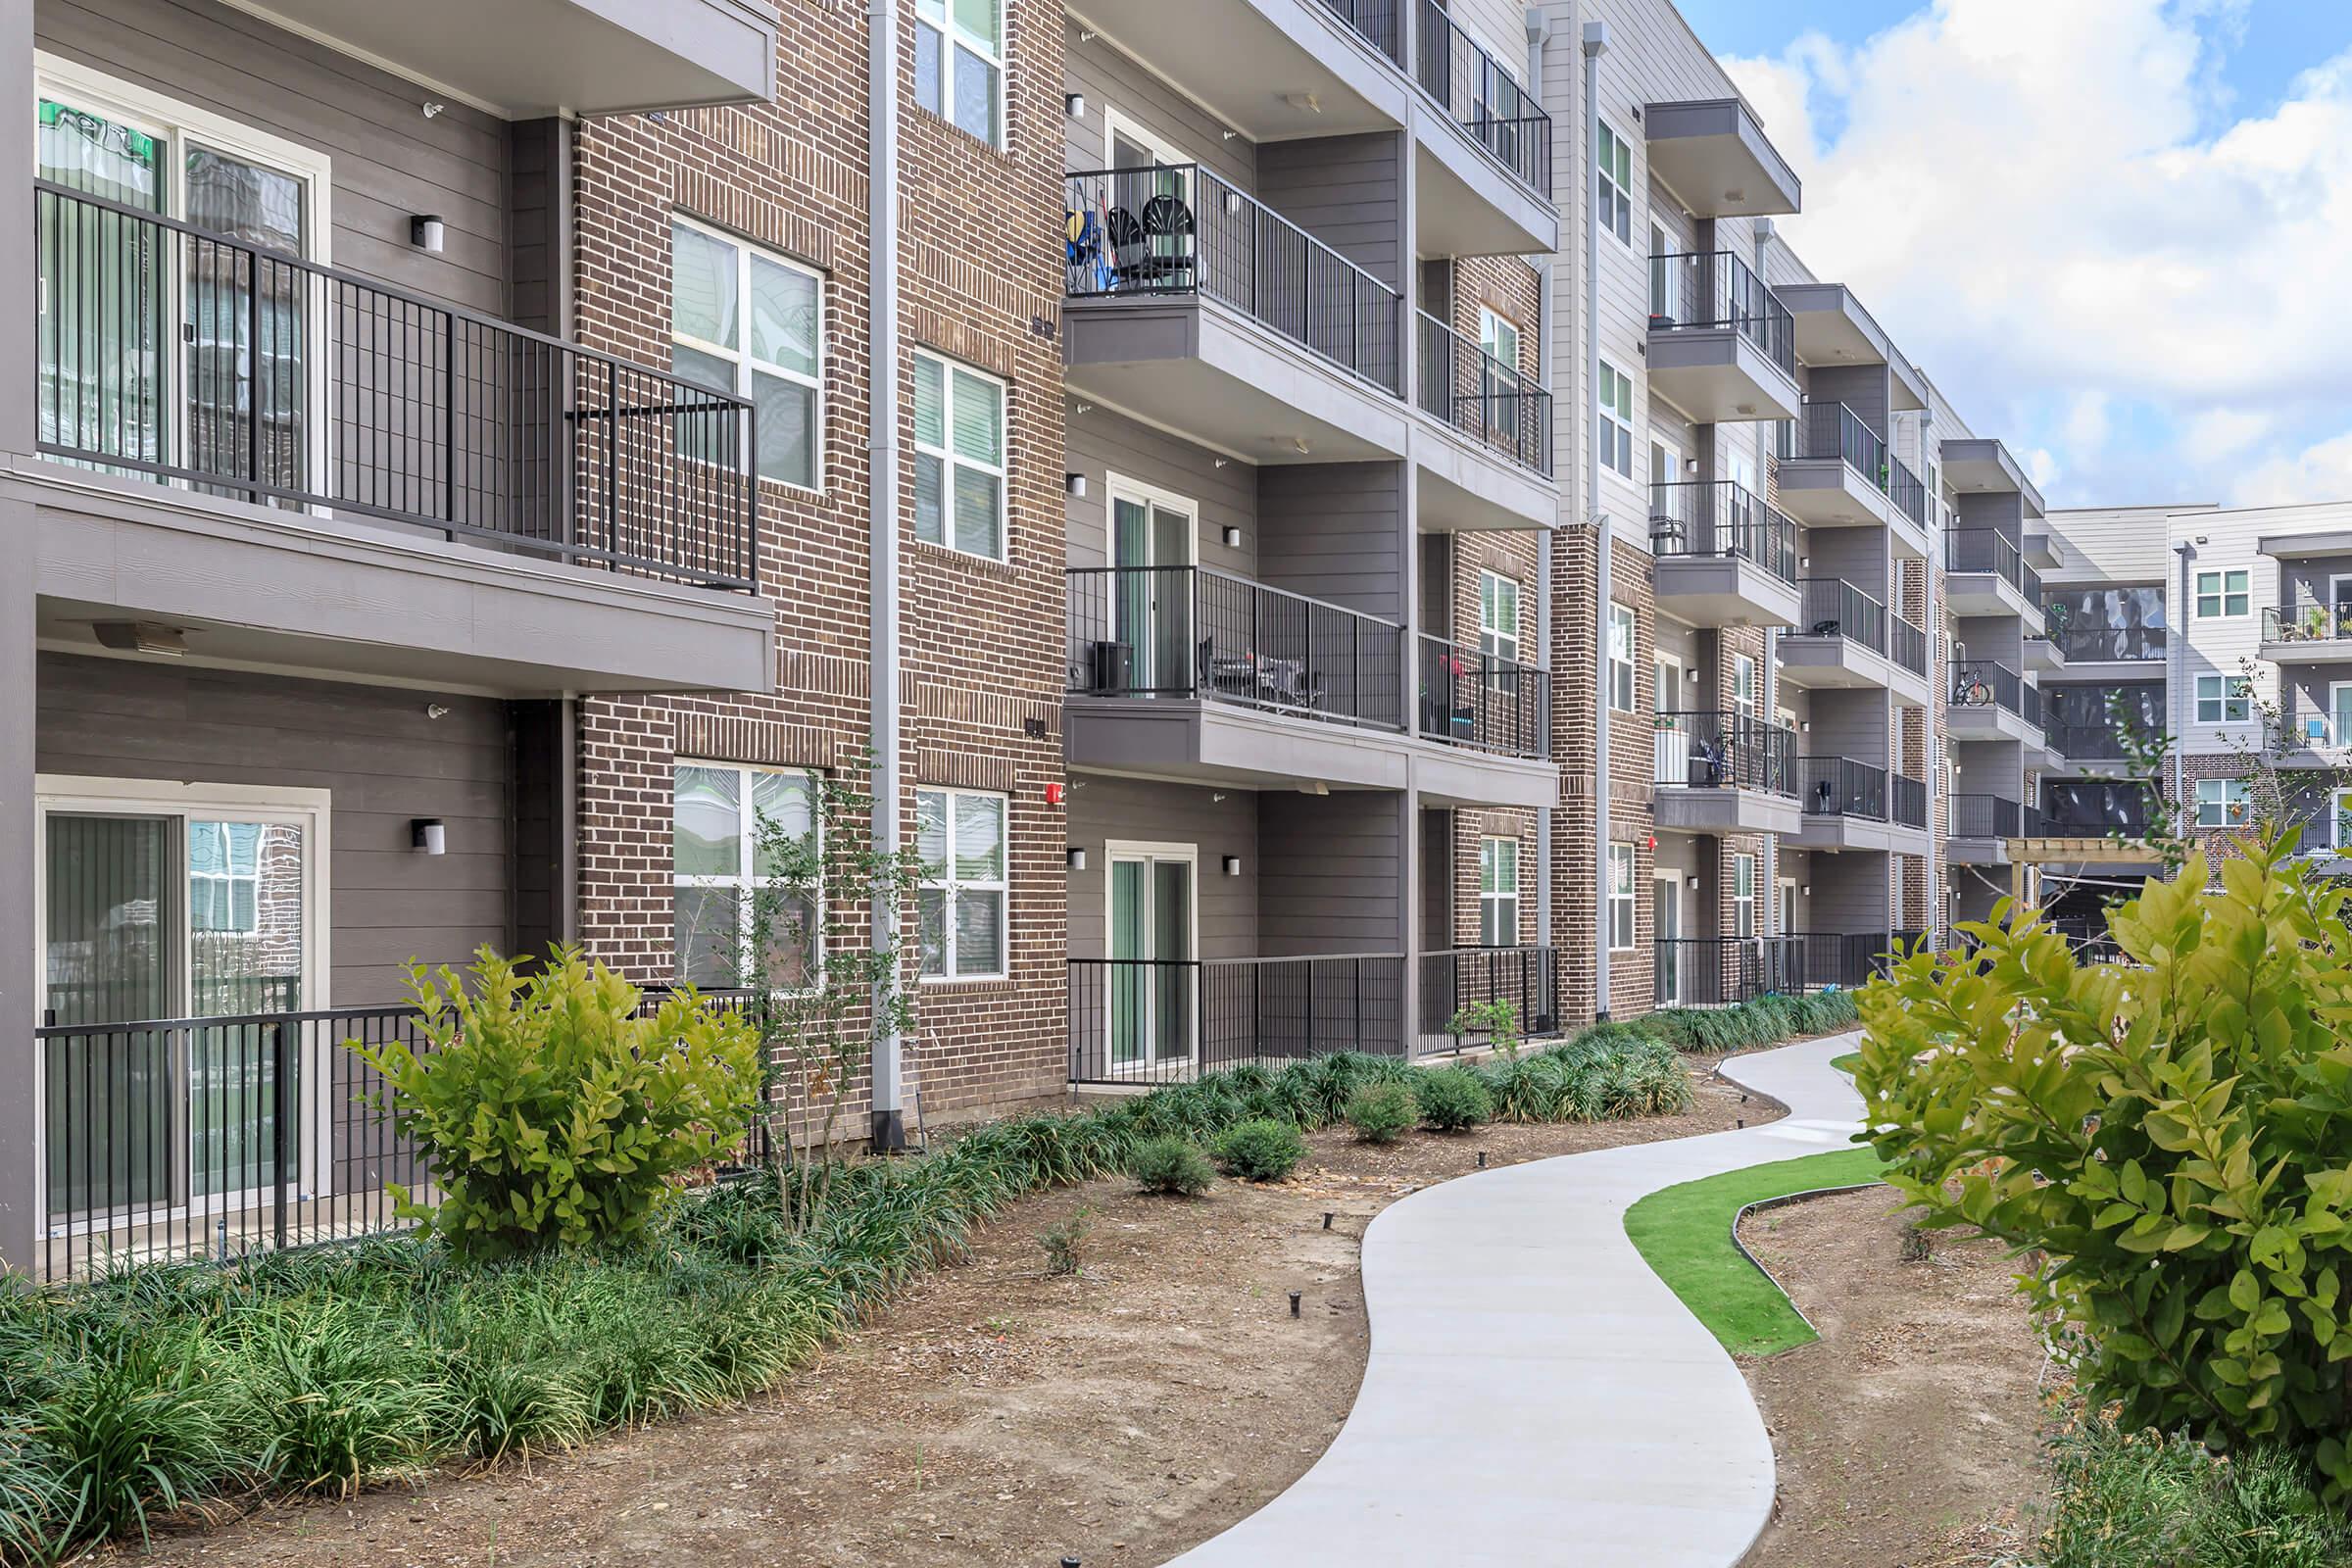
(1170, 1165)
(2171, 1135)
(1453, 1100)
(549, 1109)
(1497, 1021)
(1381, 1114)
(2132, 1500)
(1259, 1150)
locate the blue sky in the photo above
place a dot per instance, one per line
(2110, 230)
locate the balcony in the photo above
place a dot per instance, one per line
(1841, 786)
(310, 470)
(2099, 626)
(1836, 473)
(2044, 654)
(2094, 809)
(1723, 557)
(1987, 575)
(1197, 308)
(2307, 634)
(1844, 638)
(1850, 804)
(1722, 348)
(1484, 701)
(1723, 773)
(2086, 743)
(1485, 185)
(1138, 1022)
(1724, 971)
(1848, 961)
(1989, 701)
(1833, 331)
(1498, 475)
(1714, 157)
(1907, 800)
(1525, 978)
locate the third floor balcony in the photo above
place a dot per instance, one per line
(1724, 558)
(2306, 633)
(1844, 637)
(1720, 773)
(1721, 347)
(1835, 472)
(1992, 700)
(1985, 573)
(1478, 396)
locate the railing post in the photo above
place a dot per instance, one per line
(449, 420)
(281, 1115)
(612, 456)
(254, 373)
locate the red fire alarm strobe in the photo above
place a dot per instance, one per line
(1653, 840)
(1053, 795)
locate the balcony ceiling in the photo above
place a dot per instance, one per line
(527, 58)
(1833, 329)
(1714, 157)
(1983, 464)
(1717, 377)
(1272, 69)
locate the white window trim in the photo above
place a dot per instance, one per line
(1492, 324)
(1747, 692)
(1626, 616)
(1604, 173)
(1492, 587)
(746, 879)
(227, 879)
(952, 884)
(2221, 592)
(2336, 734)
(741, 358)
(1119, 487)
(1622, 852)
(1744, 904)
(2227, 689)
(1497, 845)
(1611, 420)
(2221, 802)
(1145, 850)
(1116, 126)
(948, 458)
(1660, 658)
(2339, 801)
(950, 35)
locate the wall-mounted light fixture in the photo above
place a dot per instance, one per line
(1806, 890)
(426, 835)
(1692, 883)
(1073, 484)
(1073, 104)
(427, 233)
(1690, 464)
(1232, 866)
(1076, 857)
(1233, 538)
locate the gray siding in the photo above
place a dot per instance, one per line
(1103, 443)
(1331, 877)
(1330, 531)
(1850, 893)
(1860, 388)
(2312, 581)
(1347, 191)
(1848, 724)
(1102, 808)
(1111, 79)
(385, 760)
(1857, 555)
(2004, 511)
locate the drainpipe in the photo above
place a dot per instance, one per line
(1930, 749)
(1539, 31)
(882, 448)
(2176, 677)
(1596, 44)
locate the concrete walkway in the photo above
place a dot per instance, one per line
(1535, 1396)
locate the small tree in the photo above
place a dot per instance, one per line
(1497, 1021)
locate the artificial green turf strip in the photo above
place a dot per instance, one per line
(1847, 1062)
(1685, 1234)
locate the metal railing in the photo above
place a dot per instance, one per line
(2029, 707)
(1841, 786)
(1724, 750)
(2086, 742)
(1485, 99)
(1907, 800)
(1835, 607)
(1848, 961)
(1908, 493)
(1486, 400)
(2306, 623)
(1484, 701)
(1701, 291)
(1986, 683)
(1373, 21)
(1715, 518)
(1528, 978)
(1179, 229)
(1984, 816)
(1830, 429)
(1721, 971)
(2094, 807)
(1168, 1020)
(1908, 644)
(2078, 640)
(1196, 632)
(230, 370)
(1989, 550)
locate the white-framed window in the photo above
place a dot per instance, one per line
(1661, 274)
(1621, 896)
(725, 818)
(1745, 691)
(959, 63)
(1498, 615)
(959, 457)
(1613, 180)
(959, 835)
(1616, 412)
(2222, 595)
(2222, 803)
(1497, 893)
(2225, 698)
(1621, 657)
(1498, 336)
(751, 322)
(1744, 895)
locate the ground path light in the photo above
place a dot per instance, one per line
(1294, 1303)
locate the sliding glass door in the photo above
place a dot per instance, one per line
(1152, 981)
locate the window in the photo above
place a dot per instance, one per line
(744, 321)
(1616, 419)
(2224, 700)
(1498, 335)
(224, 876)
(961, 838)
(1621, 896)
(2220, 594)
(1615, 178)
(1744, 895)
(1621, 657)
(959, 458)
(2221, 803)
(1497, 893)
(1497, 615)
(734, 831)
(959, 63)
(1743, 685)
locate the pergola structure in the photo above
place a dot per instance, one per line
(2031, 854)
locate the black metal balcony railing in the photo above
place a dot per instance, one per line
(1480, 396)
(1909, 494)
(1849, 960)
(1373, 21)
(1722, 971)
(1830, 429)
(1180, 229)
(2080, 640)
(1484, 701)
(1908, 644)
(1984, 683)
(1715, 518)
(1528, 978)
(2094, 807)
(2307, 623)
(1841, 786)
(1991, 551)
(1984, 816)
(1699, 291)
(1195, 632)
(1724, 750)
(1907, 800)
(1484, 98)
(230, 369)
(1158, 1021)
(2029, 707)
(1835, 607)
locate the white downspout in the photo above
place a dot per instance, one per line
(1596, 44)
(882, 448)
(1539, 30)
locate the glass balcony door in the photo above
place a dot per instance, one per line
(1152, 948)
(1151, 543)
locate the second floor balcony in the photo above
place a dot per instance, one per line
(1854, 804)
(1492, 403)
(1987, 575)
(1723, 773)
(2306, 633)
(1722, 348)
(1844, 637)
(1835, 472)
(1724, 558)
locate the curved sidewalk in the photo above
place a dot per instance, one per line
(1535, 1396)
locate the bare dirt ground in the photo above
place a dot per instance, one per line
(992, 1415)
(1909, 1435)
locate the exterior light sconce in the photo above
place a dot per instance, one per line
(1077, 858)
(1233, 538)
(427, 233)
(1074, 484)
(1692, 883)
(1232, 866)
(1073, 104)
(1805, 725)
(1806, 890)
(1690, 464)
(426, 835)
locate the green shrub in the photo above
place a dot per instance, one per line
(339, 1396)
(2172, 1134)
(2134, 1500)
(1497, 1021)
(1170, 1165)
(34, 1502)
(1616, 1032)
(1453, 1100)
(1062, 1241)
(549, 1109)
(138, 1427)
(1260, 1149)
(1381, 1114)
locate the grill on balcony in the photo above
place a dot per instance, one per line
(1715, 518)
(1484, 701)
(1486, 400)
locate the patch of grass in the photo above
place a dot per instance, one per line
(1847, 1062)
(1685, 1234)
(2143, 1500)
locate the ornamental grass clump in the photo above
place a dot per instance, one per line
(2172, 1134)
(1259, 1150)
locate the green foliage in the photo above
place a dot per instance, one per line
(139, 1426)
(342, 1393)
(1588, 1080)
(1496, 1021)
(2176, 1135)
(1169, 1164)
(1063, 1241)
(1766, 1021)
(1453, 1100)
(1381, 1114)
(1259, 1150)
(550, 1110)
(2142, 1500)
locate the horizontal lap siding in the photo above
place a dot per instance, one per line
(1223, 492)
(1215, 823)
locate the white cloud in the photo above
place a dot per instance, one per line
(2319, 472)
(2021, 191)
